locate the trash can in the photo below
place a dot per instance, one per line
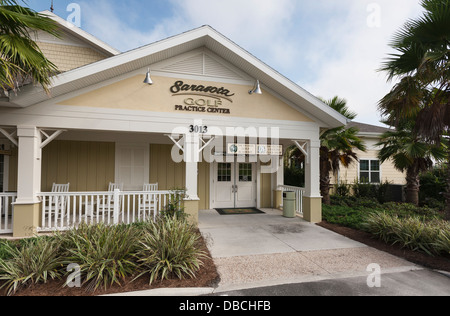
(289, 204)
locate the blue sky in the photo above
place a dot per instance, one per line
(329, 47)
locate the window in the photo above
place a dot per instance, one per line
(245, 172)
(224, 172)
(369, 171)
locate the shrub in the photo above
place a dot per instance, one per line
(414, 233)
(432, 186)
(169, 247)
(34, 262)
(174, 207)
(344, 215)
(104, 253)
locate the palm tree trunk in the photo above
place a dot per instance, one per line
(447, 194)
(412, 186)
(325, 179)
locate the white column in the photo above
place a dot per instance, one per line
(29, 165)
(312, 170)
(192, 158)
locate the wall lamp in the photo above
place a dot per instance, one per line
(148, 78)
(256, 88)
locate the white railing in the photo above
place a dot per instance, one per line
(299, 193)
(63, 211)
(6, 212)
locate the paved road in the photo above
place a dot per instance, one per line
(411, 283)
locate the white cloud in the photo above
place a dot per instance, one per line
(326, 46)
(349, 51)
(106, 20)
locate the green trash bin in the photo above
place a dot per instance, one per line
(289, 204)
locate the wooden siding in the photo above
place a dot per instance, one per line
(87, 166)
(266, 190)
(170, 175)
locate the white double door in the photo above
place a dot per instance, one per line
(235, 185)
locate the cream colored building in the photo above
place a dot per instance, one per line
(199, 126)
(369, 169)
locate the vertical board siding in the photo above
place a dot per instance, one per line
(170, 175)
(266, 190)
(87, 166)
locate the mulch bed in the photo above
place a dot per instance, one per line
(441, 263)
(209, 277)
(206, 277)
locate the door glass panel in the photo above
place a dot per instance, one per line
(245, 172)
(224, 172)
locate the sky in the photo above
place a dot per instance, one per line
(328, 47)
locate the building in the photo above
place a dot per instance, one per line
(215, 121)
(369, 169)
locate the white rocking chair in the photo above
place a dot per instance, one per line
(106, 204)
(57, 204)
(148, 201)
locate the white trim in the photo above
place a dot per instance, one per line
(86, 118)
(80, 34)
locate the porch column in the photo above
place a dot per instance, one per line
(278, 179)
(192, 158)
(26, 208)
(312, 201)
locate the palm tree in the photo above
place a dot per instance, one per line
(338, 147)
(422, 68)
(21, 60)
(410, 153)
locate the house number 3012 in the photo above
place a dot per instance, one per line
(197, 129)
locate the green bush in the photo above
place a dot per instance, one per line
(34, 262)
(344, 215)
(169, 247)
(431, 237)
(174, 207)
(104, 253)
(432, 186)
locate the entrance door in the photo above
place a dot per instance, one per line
(235, 185)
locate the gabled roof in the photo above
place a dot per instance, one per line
(368, 130)
(82, 35)
(204, 36)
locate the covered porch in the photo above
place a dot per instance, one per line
(88, 161)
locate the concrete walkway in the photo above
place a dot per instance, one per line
(268, 249)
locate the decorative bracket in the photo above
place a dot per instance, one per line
(50, 137)
(177, 143)
(303, 148)
(11, 136)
